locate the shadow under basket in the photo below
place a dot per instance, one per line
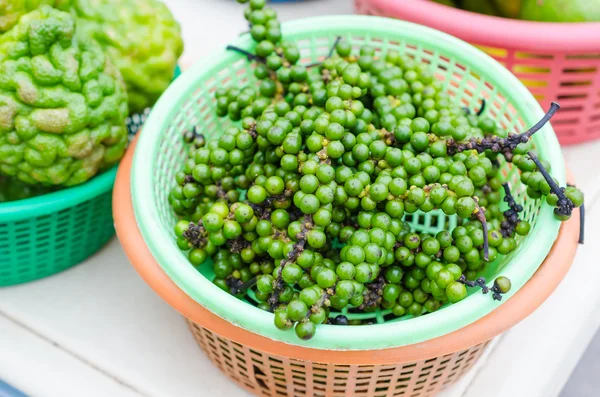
(266, 367)
(557, 62)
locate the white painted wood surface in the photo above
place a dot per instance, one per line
(98, 330)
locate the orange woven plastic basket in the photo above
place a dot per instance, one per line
(270, 368)
(557, 62)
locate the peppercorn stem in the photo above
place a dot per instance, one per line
(335, 43)
(244, 287)
(482, 108)
(329, 55)
(508, 196)
(553, 185)
(553, 109)
(321, 302)
(248, 54)
(291, 258)
(481, 217)
(507, 145)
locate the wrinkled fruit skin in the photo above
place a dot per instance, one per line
(62, 103)
(141, 37)
(12, 10)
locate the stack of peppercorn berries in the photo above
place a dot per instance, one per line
(302, 205)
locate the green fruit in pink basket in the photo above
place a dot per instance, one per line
(508, 8)
(449, 3)
(480, 6)
(561, 10)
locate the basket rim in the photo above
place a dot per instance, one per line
(176, 265)
(45, 204)
(496, 31)
(522, 304)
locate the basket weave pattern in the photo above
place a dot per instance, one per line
(269, 375)
(37, 247)
(569, 77)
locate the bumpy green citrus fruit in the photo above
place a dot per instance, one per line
(62, 103)
(141, 37)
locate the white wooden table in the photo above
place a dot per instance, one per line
(98, 330)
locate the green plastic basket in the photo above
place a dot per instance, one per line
(44, 235)
(467, 73)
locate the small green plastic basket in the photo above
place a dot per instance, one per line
(467, 73)
(44, 235)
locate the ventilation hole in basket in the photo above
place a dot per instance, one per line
(534, 83)
(572, 96)
(575, 83)
(584, 56)
(22, 270)
(22, 240)
(568, 132)
(564, 121)
(530, 55)
(530, 69)
(567, 109)
(389, 317)
(275, 360)
(595, 117)
(236, 348)
(259, 372)
(587, 69)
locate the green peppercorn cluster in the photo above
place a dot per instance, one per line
(302, 204)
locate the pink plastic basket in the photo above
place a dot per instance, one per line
(556, 61)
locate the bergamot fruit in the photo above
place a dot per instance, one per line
(62, 103)
(141, 37)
